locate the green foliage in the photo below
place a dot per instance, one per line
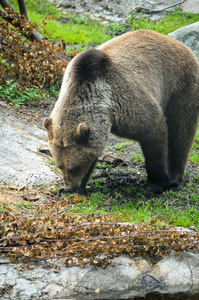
(137, 157)
(171, 22)
(54, 90)
(18, 96)
(24, 205)
(121, 147)
(194, 155)
(39, 6)
(4, 208)
(75, 33)
(101, 186)
(52, 161)
(102, 165)
(54, 190)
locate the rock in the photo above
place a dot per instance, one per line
(20, 161)
(177, 272)
(191, 6)
(115, 10)
(189, 35)
(125, 277)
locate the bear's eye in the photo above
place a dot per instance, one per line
(73, 171)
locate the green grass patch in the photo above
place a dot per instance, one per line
(138, 157)
(121, 147)
(72, 32)
(18, 96)
(171, 22)
(44, 7)
(194, 155)
(172, 208)
(24, 205)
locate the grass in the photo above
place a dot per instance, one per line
(179, 208)
(171, 22)
(19, 96)
(194, 155)
(72, 32)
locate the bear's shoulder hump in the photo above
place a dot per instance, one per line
(89, 64)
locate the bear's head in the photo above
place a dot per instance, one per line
(73, 153)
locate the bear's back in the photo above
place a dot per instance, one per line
(160, 63)
(143, 44)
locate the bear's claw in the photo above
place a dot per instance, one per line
(64, 191)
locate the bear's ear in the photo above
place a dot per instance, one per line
(47, 123)
(82, 134)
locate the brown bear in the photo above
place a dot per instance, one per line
(142, 86)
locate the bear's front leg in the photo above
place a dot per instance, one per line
(155, 151)
(157, 176)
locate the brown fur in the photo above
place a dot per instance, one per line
(89, 65)
(142, 86)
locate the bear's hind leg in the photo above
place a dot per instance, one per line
(181, 131)
(155, 161)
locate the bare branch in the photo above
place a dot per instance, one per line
(6, 4)
(17, 21)
(149, 10)
(23, 9)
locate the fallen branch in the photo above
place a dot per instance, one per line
(149, 10)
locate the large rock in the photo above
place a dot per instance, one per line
(190, 6)
(188, 35)
(123, 279)
(20, 161)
